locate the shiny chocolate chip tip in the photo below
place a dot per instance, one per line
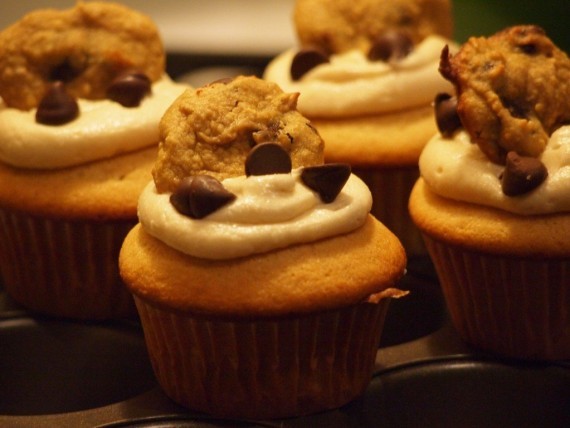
(57, 107)
(199, 196)
(522, 174)
(129, 88)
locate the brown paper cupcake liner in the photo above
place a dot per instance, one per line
(263, 369)
(390, 188)
(64, 268)
(513, 306)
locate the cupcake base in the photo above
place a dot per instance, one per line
(61, 232)
(515, 307)
(505, 278)
(264, 369)
(71, 269)
(277, 334)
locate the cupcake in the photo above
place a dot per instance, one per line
(367, 74)
(82, 91)
(260, 277)
(492, 201)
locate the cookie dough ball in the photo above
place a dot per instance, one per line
(513, 90)
(86, 47)
(340, 25)
(212, 129)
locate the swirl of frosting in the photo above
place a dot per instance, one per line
(269, 212)
(103, 129)
(351, 84)
(457, 169)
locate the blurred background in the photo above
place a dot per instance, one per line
(245, 34)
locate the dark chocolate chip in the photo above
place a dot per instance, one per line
(327, 180)
(57, 107)
(129, 88)
(180, 198)
(199, 196)
(64, 72)
(267, 158)
(529, 49)
(305, 60)
(515, 108)
(446, 116)
(522, 174)
(390, 46)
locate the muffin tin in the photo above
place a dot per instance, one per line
(58, 373)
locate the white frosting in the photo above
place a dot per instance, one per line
(457, 169)
(270, 212)
(103, 129)
(351, 84)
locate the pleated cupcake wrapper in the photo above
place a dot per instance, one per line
(390, 188)
(64, 268)
(267, 368)
(515, 307)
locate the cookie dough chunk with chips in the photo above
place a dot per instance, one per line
(513, 90)
(86, 47)
(340, 25)
(211, 130)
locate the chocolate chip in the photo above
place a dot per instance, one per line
(390, 46)
(64, 72)
(529, 49)
(305, 60)
(267, 158)
(522, 174)
(515, 108)
(327, 180)
(57, 107)
(446, 116)
(199, 196)
(129, 88)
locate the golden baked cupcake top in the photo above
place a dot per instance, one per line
(512, 100)
(240, 171)
(242, 204)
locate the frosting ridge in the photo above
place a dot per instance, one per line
(270, 212)
(351, 84)
(457, 169)
(103, 129)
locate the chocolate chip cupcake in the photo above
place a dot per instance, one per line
(367, 75)
(249, 252)
(82, 91)
(493, 201)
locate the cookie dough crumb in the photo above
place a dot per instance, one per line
(212, 129)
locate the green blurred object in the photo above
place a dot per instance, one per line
(485, 17)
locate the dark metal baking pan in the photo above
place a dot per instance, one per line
(431, 382)
(50, 366)
(421, 312)
(460, 391)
